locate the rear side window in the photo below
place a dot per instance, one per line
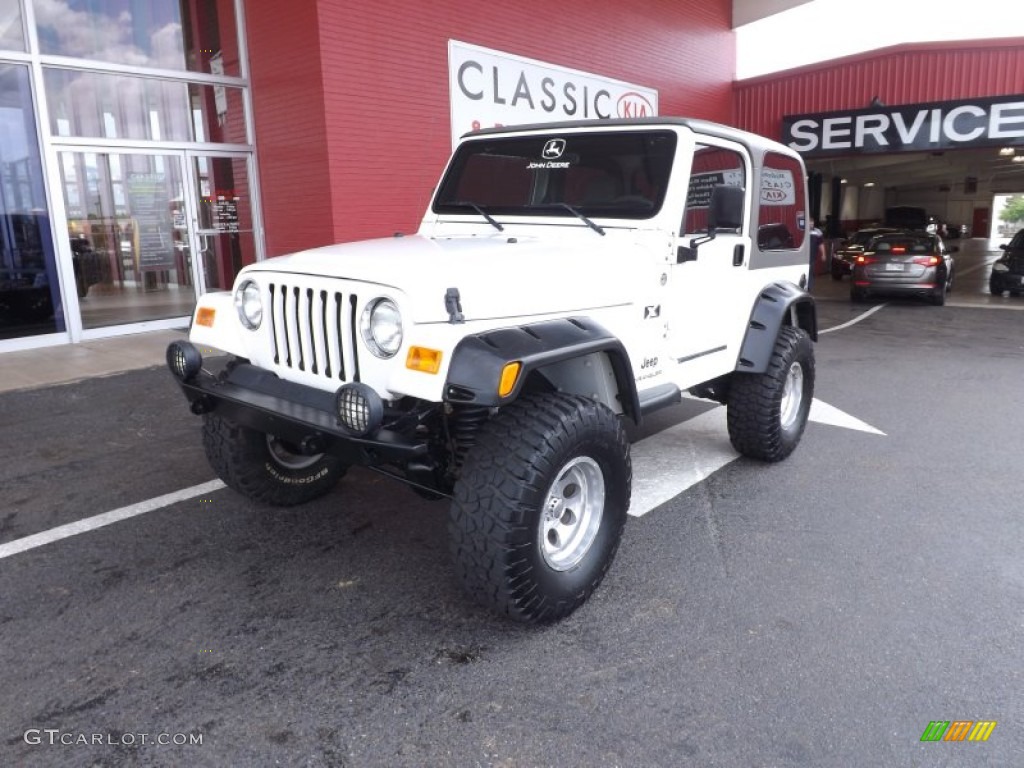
(781, 221)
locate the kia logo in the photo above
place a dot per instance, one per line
(553, 149)
(634, 104)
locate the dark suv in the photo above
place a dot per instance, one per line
(1008, 270)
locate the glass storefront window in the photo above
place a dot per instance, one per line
(12, 36)
(192, 35)
(95, 105)
(30, 302)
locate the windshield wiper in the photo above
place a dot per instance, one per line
(481, 211)
(596, 227)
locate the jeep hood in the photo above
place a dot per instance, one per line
(497, 277)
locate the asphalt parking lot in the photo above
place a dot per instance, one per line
(818, 612)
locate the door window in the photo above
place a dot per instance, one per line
(712, 167)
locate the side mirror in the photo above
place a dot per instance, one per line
(725, 211)
(726, 208)
(1003, 246)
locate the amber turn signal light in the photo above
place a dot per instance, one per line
(423, 359)
(509, 377)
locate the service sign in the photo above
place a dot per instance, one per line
(988, 122)
(490, 88)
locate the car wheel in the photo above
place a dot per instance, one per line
(1015, 293)
(938, 296)
(837, 275)
(949, 283)
(767, 412)
(858, 295)
(540, 505)
(994, 289)
(264, 468)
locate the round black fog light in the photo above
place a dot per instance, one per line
(359, 409)
(184, 360)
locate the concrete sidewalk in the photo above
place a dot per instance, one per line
(72, 362)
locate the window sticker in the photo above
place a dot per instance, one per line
(701, 185)
(777, 187)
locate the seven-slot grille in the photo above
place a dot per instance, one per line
(313, 330)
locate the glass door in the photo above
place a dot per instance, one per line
(149, 232)
(223, 225)
(127, 216)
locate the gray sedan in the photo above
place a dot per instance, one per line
(917, 264)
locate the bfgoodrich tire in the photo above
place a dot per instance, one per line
(264, 468)
(767, 412)
(540, 505)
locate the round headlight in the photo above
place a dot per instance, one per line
(381, 326)
(249, 304)
(1000, 267)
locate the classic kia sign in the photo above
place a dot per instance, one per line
(909, 127)
(490, 88)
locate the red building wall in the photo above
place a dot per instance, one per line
(905, 74)
(290, 124)
(351, 99)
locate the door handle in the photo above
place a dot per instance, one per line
(737, 255)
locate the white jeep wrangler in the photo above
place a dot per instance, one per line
(565, 277)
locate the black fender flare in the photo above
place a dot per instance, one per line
(477, 360)
(770, 312)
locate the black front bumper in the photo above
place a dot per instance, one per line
(304, 417)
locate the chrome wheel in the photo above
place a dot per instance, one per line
(792, 396)
(571, 516)
(282, 453)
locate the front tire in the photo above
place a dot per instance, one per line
(264, 468)
(768, 411)
(540, 506)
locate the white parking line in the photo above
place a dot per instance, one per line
(855, 320)
(675, 459)
(98, 521)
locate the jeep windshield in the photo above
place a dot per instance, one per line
(621, 175)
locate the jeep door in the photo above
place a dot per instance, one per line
(706, 282)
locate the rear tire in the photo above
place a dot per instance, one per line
(994, 289)
(938, 297)
(768, 411)
(858, 295)
(540, 506)
(264, 468)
